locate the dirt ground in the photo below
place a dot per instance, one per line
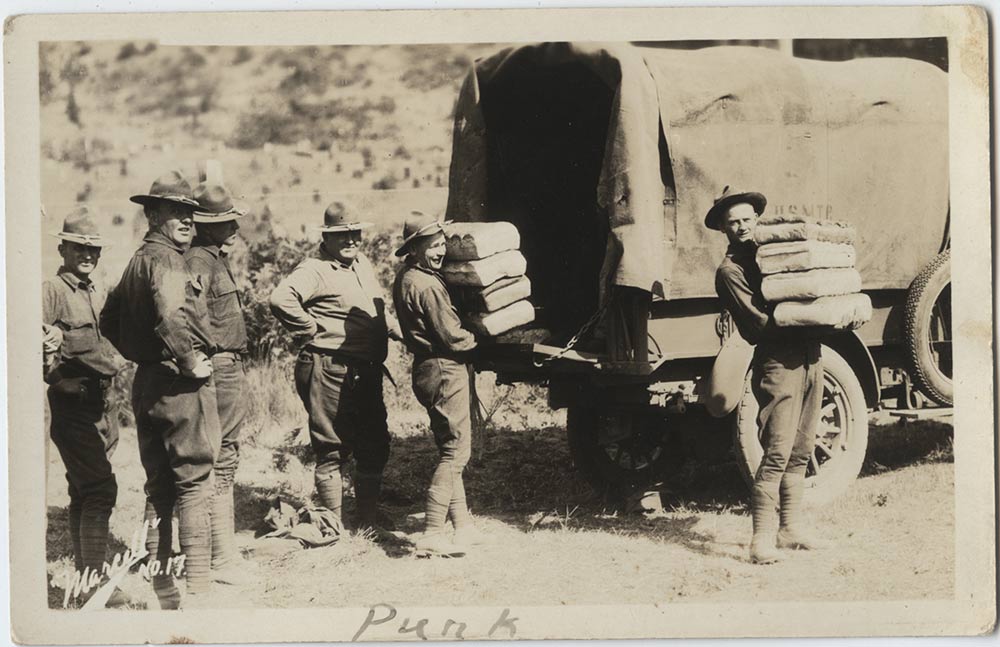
(554, 541)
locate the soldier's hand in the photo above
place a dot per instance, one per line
(52, 338)
(202, 368)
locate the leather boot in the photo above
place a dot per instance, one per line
(367, 489)
(764, 506)
(792, 535)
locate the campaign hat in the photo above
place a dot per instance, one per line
(336, 219)
(170, 187)
(418, 225)
(79, 227)
(215, 204)
(729, 197)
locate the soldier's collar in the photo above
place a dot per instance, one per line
(207, 245)
(74, 281)
(339, 264)
(160, 239)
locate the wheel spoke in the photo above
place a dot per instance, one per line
(823, 448)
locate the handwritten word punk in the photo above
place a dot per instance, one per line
(451, 629)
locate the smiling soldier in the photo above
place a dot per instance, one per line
(434, 334)
(787, 382)
(207, 259)
(334, 304)
(156, 317)
(79, 376)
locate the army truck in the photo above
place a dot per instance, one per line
(607, 157)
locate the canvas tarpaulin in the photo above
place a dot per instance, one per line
(863, 141)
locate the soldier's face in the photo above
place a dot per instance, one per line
(343, 245)
(739, 223)
(429, 251)
(222, 234)
(175, 221)
(79, 259)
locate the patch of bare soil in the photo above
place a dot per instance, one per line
(555, 542)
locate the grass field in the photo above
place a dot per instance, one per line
(555, 542)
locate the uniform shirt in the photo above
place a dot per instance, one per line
(208, 263)
(157, 311)
(335, 307)
(72, 304)
(429, 321)
(737, 282)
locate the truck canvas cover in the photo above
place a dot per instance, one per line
(609, 156)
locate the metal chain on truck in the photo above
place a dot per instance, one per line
(575, 339)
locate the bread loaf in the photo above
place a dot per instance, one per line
(778, 232)
(485, 271)
(469, 241)
(803, 255)
(842, 312)
(492, 324)
(811, 284)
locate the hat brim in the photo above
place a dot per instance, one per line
(89, 241)
(713, 219)
(207, 217)
(145, 199)
(351, 226)
(427, 230)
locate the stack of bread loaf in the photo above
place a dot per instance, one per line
(809, 272)
(483, 265)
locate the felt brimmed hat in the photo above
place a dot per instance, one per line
(215, 204)
(79, 227)
(335, 220)
(170, 186)
(417, 226)
(713, 219)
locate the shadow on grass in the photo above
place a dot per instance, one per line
(59, 543)
(900, 445)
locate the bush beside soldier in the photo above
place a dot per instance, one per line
(80, 364)
(157, 318)
(207, 259)
(434, 334)
(335, 306)
(787, 382)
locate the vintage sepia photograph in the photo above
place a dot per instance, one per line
(435, 333)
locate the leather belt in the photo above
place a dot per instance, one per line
(228, 354)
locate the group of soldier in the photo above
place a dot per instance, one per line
(177, 314)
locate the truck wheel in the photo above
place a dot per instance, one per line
(616, 452)
(841, 437)
(927, 330)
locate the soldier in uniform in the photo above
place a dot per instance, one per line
(207, 260)
(79, 369)
(440, 345)
(157, 318)
(335, 306)
(787, 382)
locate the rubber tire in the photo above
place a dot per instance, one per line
(830, 484)
(920, 299)
(594, 464)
